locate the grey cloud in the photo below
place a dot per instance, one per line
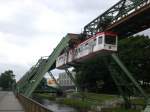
(21, 25)
(19, 28)
(92, 5)
(79, 6)
(83, 11)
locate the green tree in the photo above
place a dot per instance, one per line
(94, 76)
(7, 80)
(135, 53)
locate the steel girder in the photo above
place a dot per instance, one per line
(128, 74)
(124, 81)
(70, 76)
(117, 12)
(46, 66)
(27, 78)
(51, 75)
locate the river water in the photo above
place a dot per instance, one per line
(55, 107)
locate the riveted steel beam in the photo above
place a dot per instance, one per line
(128, 74)
(118, 12)
(70, 76)
(51, 75)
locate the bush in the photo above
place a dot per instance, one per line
(124, 110)
(76, 103)
(46, 96)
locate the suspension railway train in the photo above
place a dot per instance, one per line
(100, 44)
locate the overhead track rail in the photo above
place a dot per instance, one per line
(126, 18)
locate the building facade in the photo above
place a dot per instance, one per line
(65, 82)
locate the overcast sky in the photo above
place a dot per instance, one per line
(30, 29)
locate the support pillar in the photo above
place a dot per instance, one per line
(124, 80)
(51, 75)
(128, 74)
(71, 77)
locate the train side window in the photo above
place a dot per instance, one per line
(100, 40)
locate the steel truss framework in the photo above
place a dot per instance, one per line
(124, 80)
(27, 78)
(31, 79)
(114, 14)
(71, 77)
(51, 75)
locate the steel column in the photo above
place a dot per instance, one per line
(128, 74)
(46, 66)
(51, 75)
(71, 77)
(120, 84)
(122, 92)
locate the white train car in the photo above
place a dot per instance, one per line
(102, 43)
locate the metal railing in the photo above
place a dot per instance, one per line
(31, 105)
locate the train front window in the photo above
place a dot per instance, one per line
(110, 39)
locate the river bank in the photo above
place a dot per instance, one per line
(51, 104)
(90, 103)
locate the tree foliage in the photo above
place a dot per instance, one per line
(7, 79)
(94, 76)
(135, 53)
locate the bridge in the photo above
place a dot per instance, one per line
(126, 18)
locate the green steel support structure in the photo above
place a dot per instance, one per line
(51, 75)
(115, 14)
(47, 65)
(70, 76)
(124, 81)
(128, 74)
(121, 90)
(27, 78)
